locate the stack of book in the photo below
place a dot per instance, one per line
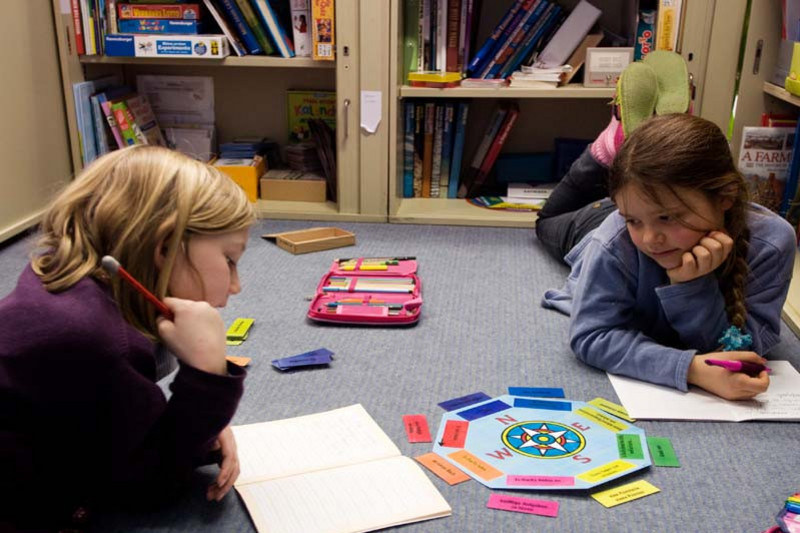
(204, 29)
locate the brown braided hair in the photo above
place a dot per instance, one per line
(683, 151)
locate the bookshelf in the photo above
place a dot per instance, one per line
(250, 100)
(572, 111)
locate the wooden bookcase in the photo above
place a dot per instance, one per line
(571, 112)
(250, 100)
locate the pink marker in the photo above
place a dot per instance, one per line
(751, 369)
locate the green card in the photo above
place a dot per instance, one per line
(662, 452)
(629, 446)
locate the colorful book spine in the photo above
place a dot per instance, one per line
(408, 149)
(77, 26)
(99, 122)
(125, 123)
(645, 33)
(453, 26)
(483, 54)
(267, 16)
(105, 105)
(447, 147)
(537, 36)
(255, 26)
(323, 30)
(87, 24)
(111, 17)
(191, 27)
(427, 154)
(159, 11)
(235, 15)
(236, 44)
(532, 12)
(301, 18)
(438, 134)
(668, 24)
(419, 147)
(458, 149)
(410, 37)
(145, 119)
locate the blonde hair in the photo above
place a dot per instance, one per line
(127, 204)
(688, 152)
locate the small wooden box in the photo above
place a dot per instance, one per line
(312, 239)
(300, 190)
(246, 176)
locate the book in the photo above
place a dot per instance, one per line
(488, 47)
(408, 149)
(126, 124)
(159, 11)
(105, 107)
(764, 160)
(645, 33)
(323, 35)
(576, 26)
(494, 150)
(145, 120)
(419, 147)
(301, 18)
(538, 191)
(287, 485)
(460, 129)
(185, 46)
(191, 27)
(790, 204)
(453, 26)
(427, 153)
(87, 23)
(301, 106)
(82, 92)
(486, 141)
(647, 401)
(539, 33)
(438, 134)
(252, 21)
(236, 44)
(77, 26)
(519, 26)
(269, 18)
(235, 15)
(100, 126)
(668, 23)
(448, 129)
(411, 36)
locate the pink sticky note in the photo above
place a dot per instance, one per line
(455, 433)
(523, 505)
(417, 428)
(541, 481)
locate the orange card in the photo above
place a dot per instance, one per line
(439, 466)
(236, 360)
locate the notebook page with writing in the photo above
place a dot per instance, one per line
(280, 448)
(651, 402)
(356, 498)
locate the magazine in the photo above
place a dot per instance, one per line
(764, 161)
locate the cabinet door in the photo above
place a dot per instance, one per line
(33, 129)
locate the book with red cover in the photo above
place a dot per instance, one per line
(494, 150)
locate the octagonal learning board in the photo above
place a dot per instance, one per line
(513, 442)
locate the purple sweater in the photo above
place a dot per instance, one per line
(81, 417)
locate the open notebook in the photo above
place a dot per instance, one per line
(331, 472)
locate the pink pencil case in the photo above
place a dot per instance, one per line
(369, 291)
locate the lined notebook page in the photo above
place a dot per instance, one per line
(351, 499)
(270, 450)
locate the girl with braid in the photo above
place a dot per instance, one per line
(683, 268)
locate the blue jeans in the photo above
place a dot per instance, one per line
(577, 205)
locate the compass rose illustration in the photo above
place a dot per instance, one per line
(543, 440)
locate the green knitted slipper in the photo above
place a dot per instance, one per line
(637, 90)
(673, 81)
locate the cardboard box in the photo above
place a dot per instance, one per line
(299, 190)
(312, 239)
(246, 176)
(188, 46)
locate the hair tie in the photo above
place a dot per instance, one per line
(733, 339)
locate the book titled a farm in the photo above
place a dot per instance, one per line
(764, 160)
(304, 105)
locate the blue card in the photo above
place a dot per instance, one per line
(463, 401)
(537, 392)
(486, 409)
(321, 356)
(542, 404)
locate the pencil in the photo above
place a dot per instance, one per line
(113, 267)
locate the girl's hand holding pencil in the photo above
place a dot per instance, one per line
(196, 335)
(725, 383)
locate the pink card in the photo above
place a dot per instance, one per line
(417, 428)
(523, 505)
(455, 433)
(541, 481)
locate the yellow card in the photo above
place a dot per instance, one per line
(625, 493)
(605, 471)
(233, 343)
(613, 408)
(236, 360)
(611, 424)
(439, 466)
(238, 330)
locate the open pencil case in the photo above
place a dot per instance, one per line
(381, 291)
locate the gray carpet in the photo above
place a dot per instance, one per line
(482, 329)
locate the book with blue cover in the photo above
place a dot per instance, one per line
(160, 26)
(536, 35)
(486, 51)
(269, 17)
(448, 127)
(460, 128)
(408, 149)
